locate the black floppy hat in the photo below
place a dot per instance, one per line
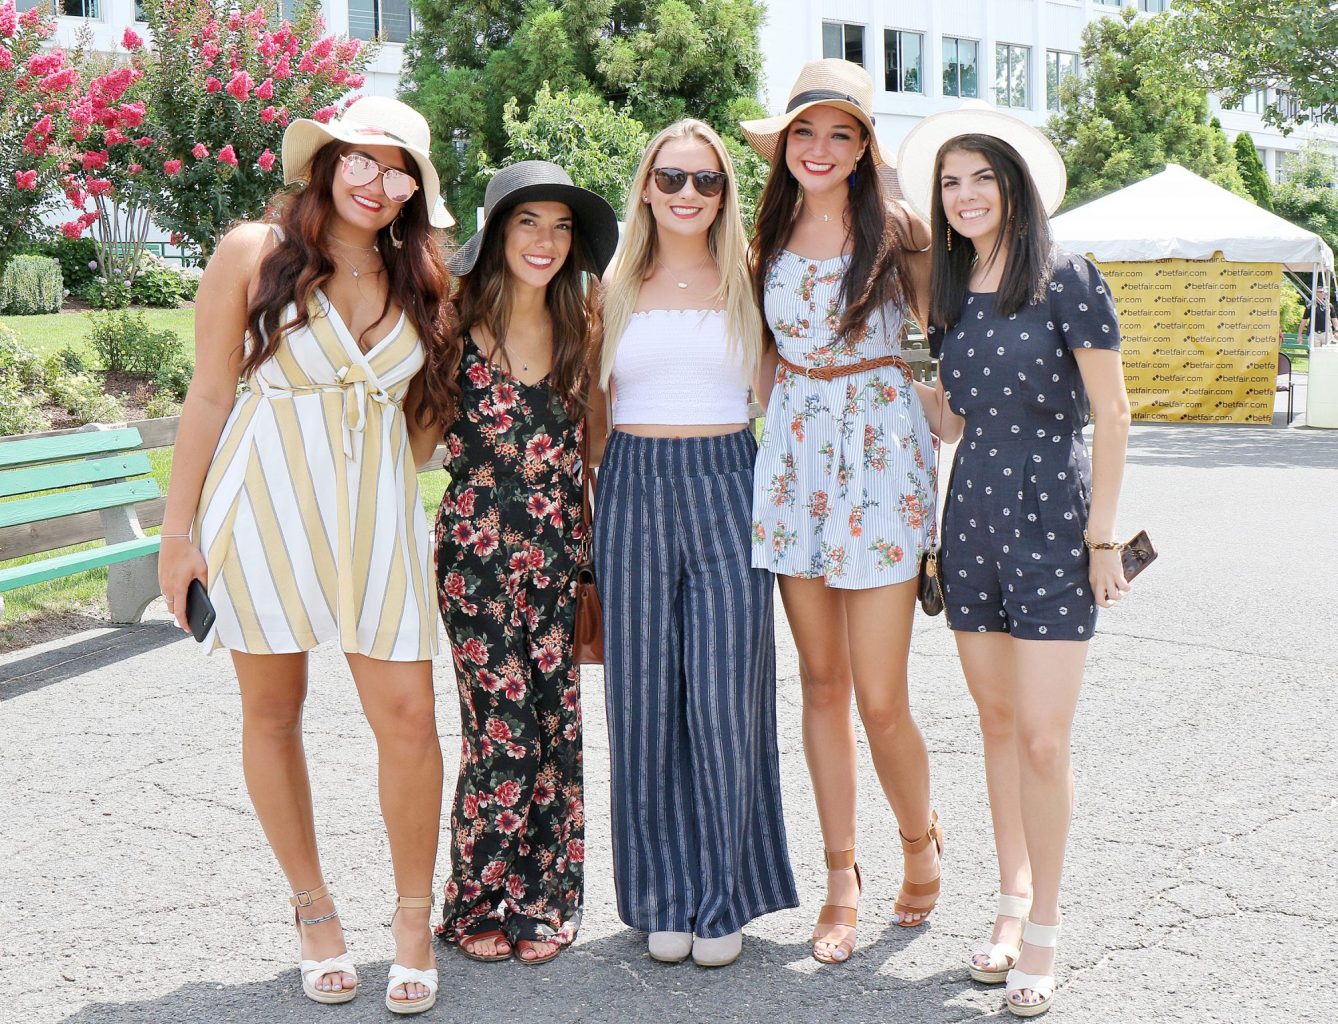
(540, 181)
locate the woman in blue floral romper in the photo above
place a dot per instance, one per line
(1030, 345)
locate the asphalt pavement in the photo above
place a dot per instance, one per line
(136, 886)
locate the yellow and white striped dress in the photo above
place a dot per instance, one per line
(310, 518)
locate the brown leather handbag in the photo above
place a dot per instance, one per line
(587, 646)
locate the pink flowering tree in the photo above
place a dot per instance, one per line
(36, 87)
(221, 84)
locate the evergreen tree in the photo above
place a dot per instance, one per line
(1309, 194)
(1122, 121)
(1252, 171)
(655, 60)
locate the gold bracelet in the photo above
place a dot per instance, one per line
(1102, 545)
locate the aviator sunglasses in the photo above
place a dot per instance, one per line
(671, 180)
(358, 170)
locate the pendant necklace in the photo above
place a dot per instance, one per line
(356, 271)
(824, 217)
(674, 277)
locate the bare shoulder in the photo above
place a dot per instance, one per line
(241, 249)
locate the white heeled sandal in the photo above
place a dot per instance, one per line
(1001, 955)
(313, 971)
(400, 975)
(1042, 985)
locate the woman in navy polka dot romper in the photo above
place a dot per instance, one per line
(1029, 346)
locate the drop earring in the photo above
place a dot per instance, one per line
(851, 180)
(395, 239)
(949, 239)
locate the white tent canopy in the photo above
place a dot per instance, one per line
(1178, 215)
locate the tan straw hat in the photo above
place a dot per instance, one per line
(919, 152)
(376, 121)
(821, 83)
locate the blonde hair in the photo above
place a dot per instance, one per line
(725, 238)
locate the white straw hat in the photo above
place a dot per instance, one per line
(376, 121)
(821, 83)
(919, 152)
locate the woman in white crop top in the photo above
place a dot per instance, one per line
(698, 834)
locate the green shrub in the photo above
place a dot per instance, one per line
(22, 364)
(190, 282)
(157, 286)
(78, 259)
(81, 395)
(103, 294)
(1292, 308)
(123, 343)
(67, 359)
(31, 284)
(160, 405)
(20, 411)
(173, 378)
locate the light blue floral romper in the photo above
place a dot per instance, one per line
(844, 481)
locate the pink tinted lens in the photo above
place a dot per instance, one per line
(398, 186)
(358, 170)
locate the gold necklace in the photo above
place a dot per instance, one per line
(826, 218)
(356, 270)
(674, 277)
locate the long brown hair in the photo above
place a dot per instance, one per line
(483, 297)
(1026, 242)
(876, 273)
(300, 263)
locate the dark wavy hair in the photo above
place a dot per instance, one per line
(483, 296)
(301, 262)
(876, 273)
(1026, 242)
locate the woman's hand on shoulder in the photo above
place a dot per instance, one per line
(914, 228)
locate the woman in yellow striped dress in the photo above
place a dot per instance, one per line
(296, 503)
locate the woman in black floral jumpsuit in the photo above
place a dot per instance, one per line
(508, 540)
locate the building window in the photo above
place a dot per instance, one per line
(843, 41)
(1012, 68)
(1107, 3)
(1059, 66)
(905, 61)
(1152, 6)
(65, 8)
(961, 62)
(1284, 164)
(1285, 104)
(1252, 102)
(388, 19)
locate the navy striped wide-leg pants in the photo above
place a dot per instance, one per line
(690, 684)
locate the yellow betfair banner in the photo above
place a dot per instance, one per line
(1199, 338)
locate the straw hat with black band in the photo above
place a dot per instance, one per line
(538, 181)
(373, 121)
(920, 149)
(821, 83)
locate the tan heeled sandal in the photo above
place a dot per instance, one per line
(406, 976)
(836, 913)
(313, 971)
(919, 890)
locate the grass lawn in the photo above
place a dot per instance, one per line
(52, 331)
(86, 592)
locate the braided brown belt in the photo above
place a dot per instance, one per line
(833, 372)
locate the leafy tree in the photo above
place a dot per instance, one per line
(1122, 121)
(1309, 194)
(655, 60)
(1236, 45)
(1252, 171)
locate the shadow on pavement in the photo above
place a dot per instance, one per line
(600, 982)
(1220, 447)
(24, 675)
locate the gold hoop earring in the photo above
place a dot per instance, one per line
(950, 239)
(395, 239)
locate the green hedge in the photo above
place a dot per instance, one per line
(31, 284)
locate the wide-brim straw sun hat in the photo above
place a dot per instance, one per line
(375, 121)
(538, 181)
(821, 83)
(919, 152)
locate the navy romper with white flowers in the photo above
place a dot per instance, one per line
(1013, 558)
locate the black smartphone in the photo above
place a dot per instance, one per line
(1137, 555)
(199, 610)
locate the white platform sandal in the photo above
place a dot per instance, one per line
(1042, 985)
(1001, 955)
(313, 971)
(400, 975)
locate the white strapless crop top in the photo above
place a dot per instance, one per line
(676, 366)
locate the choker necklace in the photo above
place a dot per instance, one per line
(674, 277)
(356, 271)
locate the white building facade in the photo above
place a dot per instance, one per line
(928, 55)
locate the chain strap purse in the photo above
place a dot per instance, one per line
(931, 581)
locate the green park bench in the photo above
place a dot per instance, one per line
(1292, 346)
(71, 487)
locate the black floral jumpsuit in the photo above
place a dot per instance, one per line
(508, 540)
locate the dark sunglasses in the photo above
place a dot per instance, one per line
(671, 180)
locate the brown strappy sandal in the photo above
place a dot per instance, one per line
(919, 889)
(466, 944)
(835, 913)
